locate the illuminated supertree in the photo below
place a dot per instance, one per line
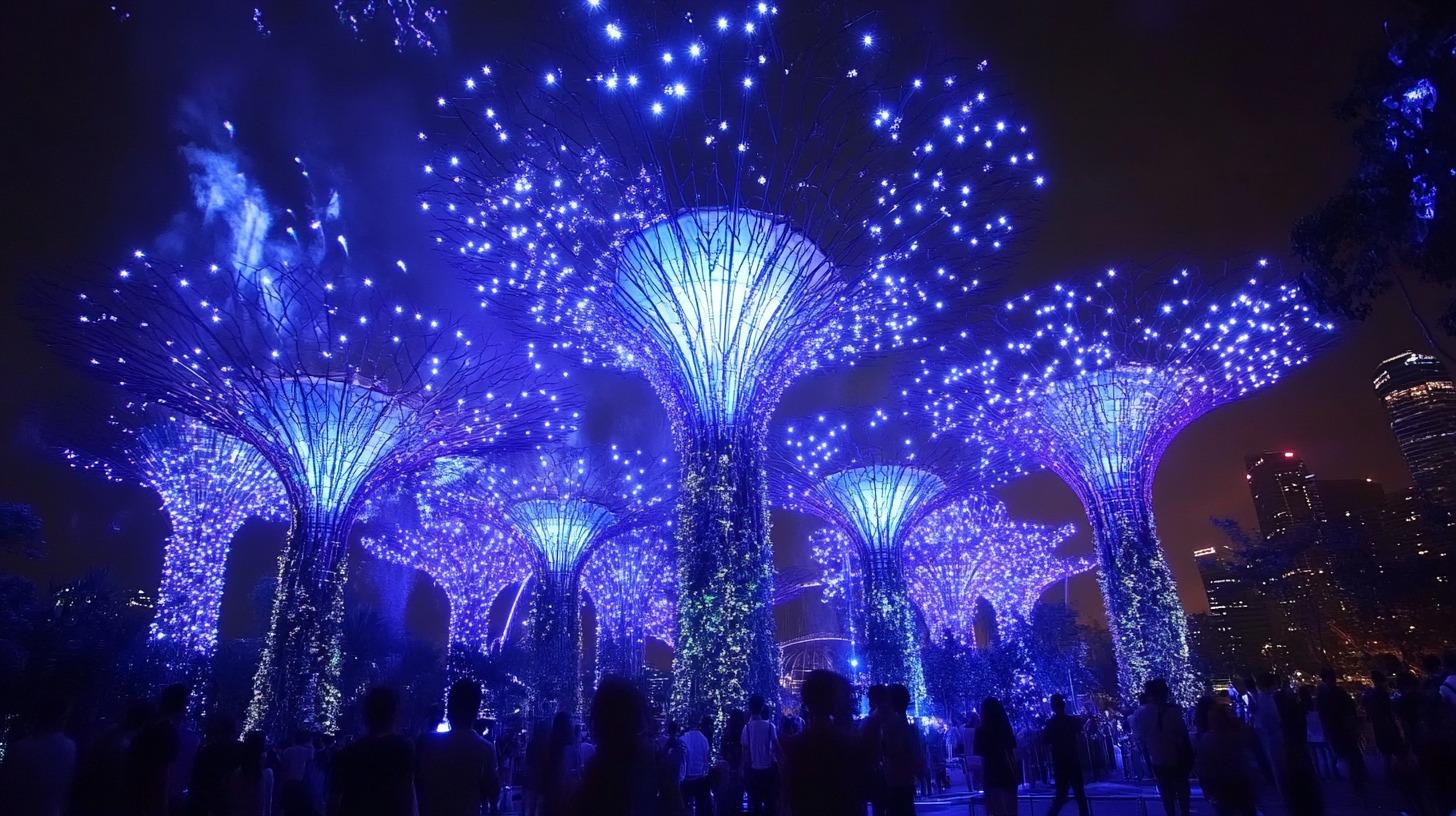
(876, 497)
(970, 551)
(210, 483)
(630, 582)
(434, 527)
(559, 505)
(1095, 382)
(339, 390)
(723, 203)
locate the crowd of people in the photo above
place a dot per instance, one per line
(824, 760)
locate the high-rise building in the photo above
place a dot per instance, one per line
(1239, 634)
(1283, 491)
(1420, 401)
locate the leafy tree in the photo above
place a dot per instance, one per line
(1395, 220)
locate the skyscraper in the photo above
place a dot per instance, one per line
(1420, 400)
(1239, 636)
(1283, 491)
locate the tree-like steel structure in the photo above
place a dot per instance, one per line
(559, 505)
(210, 484)
(338, 389)
(877, 495)
(723, 203)
(1095, 382)
(969, 551)
(431, 525)
(630, 582)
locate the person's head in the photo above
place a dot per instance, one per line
(672, 729)
(817, 694)
(50, 713)
(1431, 665)
(705, 725)
(1269, 682)
(756, 707)
(1327, 675)
(618, 714)
(563, 730)
(1377, 679)
(1157, 690)
(1449, 658)
(1306, 697)
(463, 703)
(1222, 718)
(380, 707)
(993, 715)
(897, 697)
(1058, 704)
(172, 703)
(876, 696)
(250, 757)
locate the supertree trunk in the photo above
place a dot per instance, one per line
(727, 649)
(556, 631)
(189, 599)
(1149, 629)
(891, 654)
(469, 617)
(297, 683)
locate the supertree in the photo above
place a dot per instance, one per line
(969, 551)
(723, 203)
(429, 525)
(1095, 382)
(338, 389)
(210, 483)
(876, 495)
(559, 505)
(630, 582)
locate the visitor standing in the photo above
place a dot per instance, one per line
(623, 778)
(160, 753)
(456, 772)
(35, 779)
(294, 762)
(216, 760)
(1381, 715)
(101, 775)
(760, 758)
(823, 773)
(730, 790)
(696, 792)
(1061, 735)
(995, 745)
(869, 729)
(902, 752)
(1340, 719)
(375, 776)
(250, 785)
(1222, 765)
(1159, 725)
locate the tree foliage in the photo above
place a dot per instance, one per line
(1396, 216)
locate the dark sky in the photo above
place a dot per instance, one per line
(1173, 133)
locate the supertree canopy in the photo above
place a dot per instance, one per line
(723, 202)
(1095, 381)
(210, 483)
(560, 505)
(630, 582)
(971, 551)
(430, 525)
(340, 390)
(876, 496)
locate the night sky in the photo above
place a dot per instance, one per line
(1185, 133)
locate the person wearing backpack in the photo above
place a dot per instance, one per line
(1158, 723)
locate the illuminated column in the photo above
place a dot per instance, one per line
(563, 531)
(722, 293)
